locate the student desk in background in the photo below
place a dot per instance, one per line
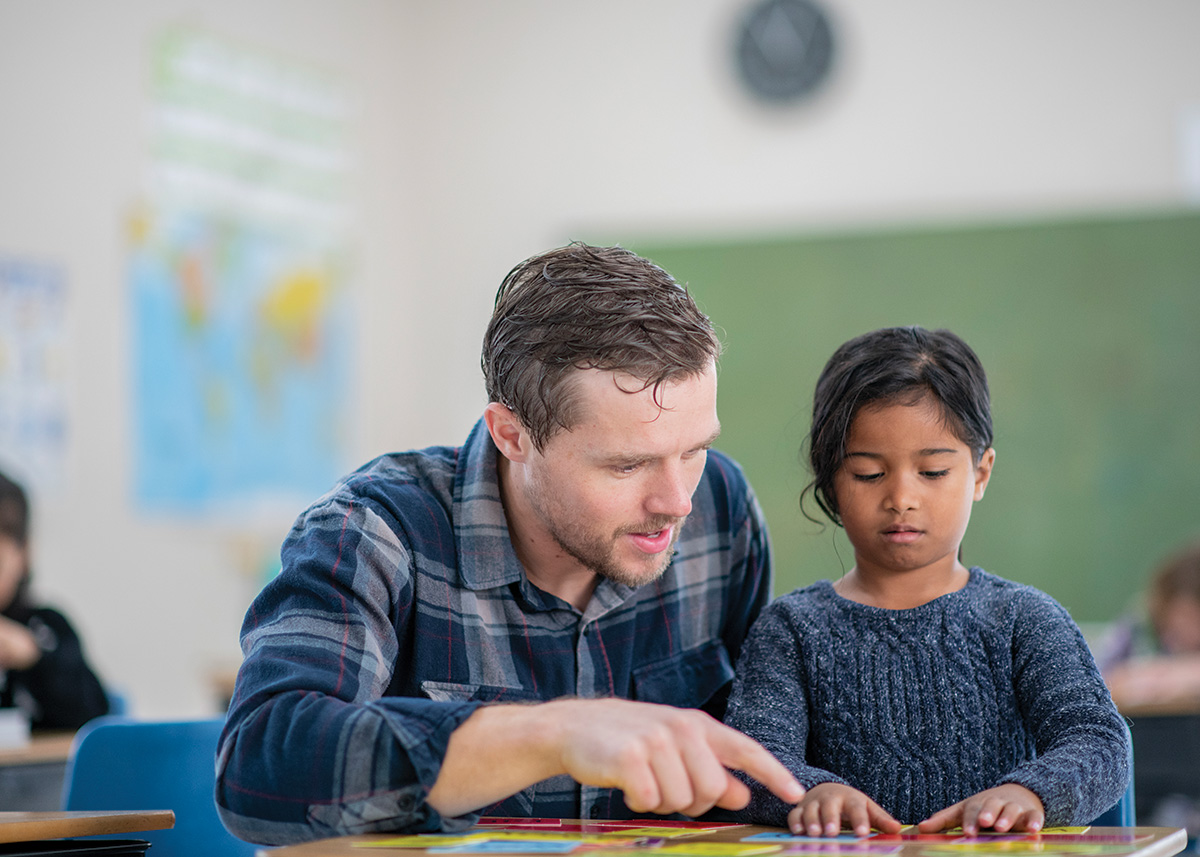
(31, 776)
(731, 841)
(1166, 760)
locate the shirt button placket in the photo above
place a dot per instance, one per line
(585, 674)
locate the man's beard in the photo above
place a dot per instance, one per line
(598, 553)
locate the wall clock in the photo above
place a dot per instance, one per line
(783, 49)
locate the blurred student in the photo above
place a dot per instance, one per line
(43, 671)
(915, 689)
(1152, 657)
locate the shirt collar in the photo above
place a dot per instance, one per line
(486, 558)
(485, 554)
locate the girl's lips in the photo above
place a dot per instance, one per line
(652, 542)
(902, 535)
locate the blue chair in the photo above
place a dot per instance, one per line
(118, 702)
(1122, 813)
(117, 763)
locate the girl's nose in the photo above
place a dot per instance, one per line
(901, 495)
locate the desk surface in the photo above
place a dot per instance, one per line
(730, 841)
(27, 826)
(32, 775)
(1172, 708)
(43, 747)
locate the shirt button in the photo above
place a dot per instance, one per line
(595, 812)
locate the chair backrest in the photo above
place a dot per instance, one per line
(1120, 814)
(119, 763)
(1123, 812)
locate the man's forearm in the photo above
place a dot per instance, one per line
(664, 759)
(496, 752)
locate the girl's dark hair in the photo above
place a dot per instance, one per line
(14, 524)
(894, 364)
(586, 307)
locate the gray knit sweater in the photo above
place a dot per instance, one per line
(922, 708)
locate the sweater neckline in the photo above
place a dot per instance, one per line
(973, 578)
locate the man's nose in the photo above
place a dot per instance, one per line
(672, 494)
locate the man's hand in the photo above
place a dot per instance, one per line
(664, 759)
(1004, 808)
(829, 806)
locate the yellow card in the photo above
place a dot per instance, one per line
(716, 849)
(657, 832)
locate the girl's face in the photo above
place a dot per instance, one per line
(906, 488)
(1179, 626)
(12, 569)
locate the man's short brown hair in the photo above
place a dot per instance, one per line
(585, 307)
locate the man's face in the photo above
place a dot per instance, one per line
(611, 494)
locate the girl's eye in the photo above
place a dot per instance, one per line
(866, 477)
(934, 474)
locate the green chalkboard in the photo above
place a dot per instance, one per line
(1089, 331)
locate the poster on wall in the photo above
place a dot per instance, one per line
(33, 411)
(238, 272)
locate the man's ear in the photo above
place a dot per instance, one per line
(983, 471)
(510, 437)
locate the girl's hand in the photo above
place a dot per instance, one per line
(1004, 808)
(828, 806)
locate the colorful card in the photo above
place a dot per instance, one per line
(510, 846)
(860, 848)
(784, 836)
(418, 840)
(716, 849)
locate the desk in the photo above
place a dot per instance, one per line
(28, 826)
(1107, 841)
(1166, 763)
(31, 776)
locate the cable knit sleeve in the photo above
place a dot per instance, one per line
(769, 702)
(1084, 754)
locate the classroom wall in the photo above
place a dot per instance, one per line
(483, 133)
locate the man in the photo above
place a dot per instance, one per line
(526, 625)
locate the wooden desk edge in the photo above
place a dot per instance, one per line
(1170, 844)
(1176, 708)
(43, 748)
(1172, 841)
(26, 826)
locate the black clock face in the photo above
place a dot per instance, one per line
(784, 49)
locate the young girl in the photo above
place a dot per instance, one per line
(915, 689)
(42, 668)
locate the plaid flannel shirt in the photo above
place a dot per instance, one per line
(401, 608)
